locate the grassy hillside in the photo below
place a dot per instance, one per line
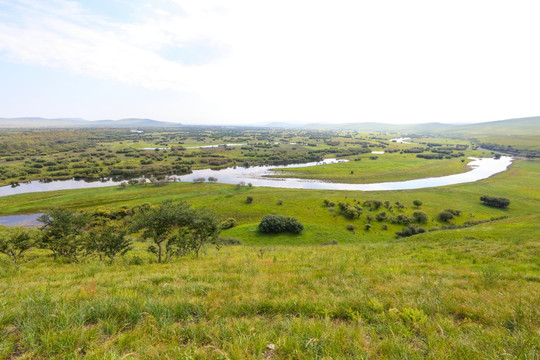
(456, 294)
(467, 293)
(519, 126)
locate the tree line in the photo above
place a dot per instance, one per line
(173, 229)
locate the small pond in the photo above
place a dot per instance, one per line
(21, 220)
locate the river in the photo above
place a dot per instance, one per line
(258, 176)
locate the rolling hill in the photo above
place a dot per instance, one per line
(37, 122)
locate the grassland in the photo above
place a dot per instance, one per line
(518, 184)
(386, 167)
(452, 295)
(464, 293)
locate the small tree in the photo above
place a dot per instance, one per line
(417, 203)
(160, 223)
(62, 232)
(108, 241)
(445, 216)
(204, 227)
(16, 244)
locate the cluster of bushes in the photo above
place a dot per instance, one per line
(350, 212)
(280, 224)
(173, 228)
(467, 224)
(448, 214)
(410, 231)
(495, 202)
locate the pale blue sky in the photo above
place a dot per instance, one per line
(249, 61)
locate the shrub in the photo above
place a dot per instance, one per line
(328, 203)
(381, 216)
(495, 202)
(229, 223)
(16, 244)
(279, 224)
(402, 219)
(249, 199)
(348, 211)
(373, 204)
(229, 240)
(351, 227)
(420, 216)
(410, 231)
(445, 216)
(108, 242)
(454, 212)
(62, 232)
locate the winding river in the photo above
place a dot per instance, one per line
(258, 176)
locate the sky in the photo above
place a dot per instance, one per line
(254, 62)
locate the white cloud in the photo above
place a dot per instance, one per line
(302, 60)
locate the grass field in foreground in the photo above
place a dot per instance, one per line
(459, 294)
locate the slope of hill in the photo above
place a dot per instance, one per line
(520, 126)
(36, 122)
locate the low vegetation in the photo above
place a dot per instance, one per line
(203, 270)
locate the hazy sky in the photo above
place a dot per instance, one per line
(248, 62)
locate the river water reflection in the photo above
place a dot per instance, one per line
(258, 176)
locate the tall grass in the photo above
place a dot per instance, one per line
(458, 294)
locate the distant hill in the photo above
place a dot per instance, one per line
(382, 127)
(519, 126)
(36, 122)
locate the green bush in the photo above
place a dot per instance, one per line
(229, 223)
(445, 216)
(495, 202)
(410, 231)
(279, 224)
(420, 216)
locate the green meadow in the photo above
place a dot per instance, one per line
(450, 294)
(344, 288)
(380, 168)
